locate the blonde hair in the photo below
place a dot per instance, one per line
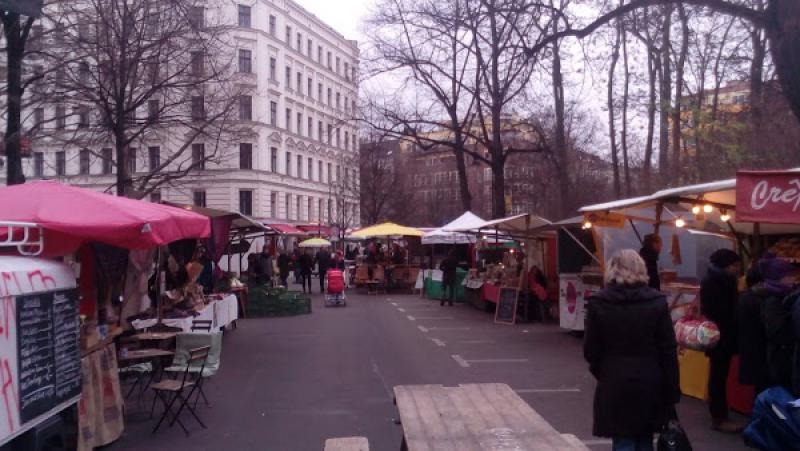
(626, 267)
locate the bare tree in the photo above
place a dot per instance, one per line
(147, 74)
(343, 195)
(384, 193)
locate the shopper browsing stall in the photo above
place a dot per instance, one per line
(651, 249)
(718, 299)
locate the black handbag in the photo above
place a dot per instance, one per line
(673, 438)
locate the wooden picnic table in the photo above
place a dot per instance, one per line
(473, 417)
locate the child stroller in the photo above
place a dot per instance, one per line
(334, 295)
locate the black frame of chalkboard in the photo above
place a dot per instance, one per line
(516, 306)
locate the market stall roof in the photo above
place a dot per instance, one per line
(315, 242)
(71, 216)
(387, 229)
(468, 220)
(240, 221)
(316, 229)
(286, 229)
(519, 226)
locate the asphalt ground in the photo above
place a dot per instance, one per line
(290, 383)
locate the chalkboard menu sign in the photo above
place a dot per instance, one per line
(49, 351)
(506, 312)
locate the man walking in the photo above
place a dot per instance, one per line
(265, 258)
(305, 264)
(448, 267)
(323, 264)
(283, 268)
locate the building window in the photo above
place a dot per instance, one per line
(347, 71)
(338, 101)
(310, 208)
(273, 25)
(330, 95)
(310, 129)
(319, 130)
(273, 63)
(273, 205)
(196, 17)
(289, 36)
(244, 16)
(330, 210)
(245, 61)
(287, 204)
(38, 164)
(108, 160)
(329, 60)
(61, 117)
(353, 106)
(84, 161)
(299, 42)
(83, 117)
(153, 110)
(199, 156)
(319, 92)
(310, 169)
(310, 91)
(337, 64)
(245, 156)
(288, 122)
(338, 136)
(198, 65)
(319, 54)
(310, 48)
(288, 163)
(329, 172)
(61, 163)
(273, 159)
(346, 141)
(273, 114)
(299, 166)
(319, 171)
(299, 210)
(246, 202)
(300, 83)
(245, 108)
(299, 123)
(154, 157)
(132, 160)
(338, 172)
(199, 198)
(198, 108)
(330, 134)
(288, 77)
(38, 119)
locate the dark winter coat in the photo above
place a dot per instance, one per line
(448, 268)
(283, 264)
(324, 261)
(718, 299)
(305, 264)
(650, 258)
(780, 336)
(632, 352)
(752, 339)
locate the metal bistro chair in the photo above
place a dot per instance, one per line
(202, 325)
(171, 390)
(184, 343)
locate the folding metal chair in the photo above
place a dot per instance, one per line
(202, 325)
(183, 344)
(171, 390)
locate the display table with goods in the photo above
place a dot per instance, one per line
(434, 287)
(271, 302)
(473, 290)
(221, 309)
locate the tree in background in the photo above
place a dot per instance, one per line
(384, 179)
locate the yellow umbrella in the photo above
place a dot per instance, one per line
(315, 242)
(386, 229)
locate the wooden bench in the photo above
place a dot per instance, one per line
(347, 444)
(474, 417)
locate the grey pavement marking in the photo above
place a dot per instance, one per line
(411, 318)
(438, 342)
(423, 329)
(547, 390)
(460, 361)
(435, 317)
(448, 328)
(476, 342)
(401, 309)
(498, 361)
(394, 304)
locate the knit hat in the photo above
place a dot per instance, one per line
(722, 258)
(774, 269)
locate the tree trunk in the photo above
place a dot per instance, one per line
(652, 72)
(562, 158)
(16, 34)
(784, 39)
(625, 100)
(498, 189)
(612, 133)
(665, 98)
(124, 182)
(676, 110)
(461, 166)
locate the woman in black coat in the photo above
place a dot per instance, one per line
(632, 352)
(718, 301)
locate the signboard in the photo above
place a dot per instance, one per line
(40, 353)
(30, 8)
(506, 312)
(605, 219)
(768, 196)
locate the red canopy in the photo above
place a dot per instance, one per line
(72, 216)
(286, 229)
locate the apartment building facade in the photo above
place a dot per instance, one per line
(298, 78)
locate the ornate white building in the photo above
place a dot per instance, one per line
(301, 77)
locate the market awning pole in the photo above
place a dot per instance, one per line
(636, 231)
(739, 240)
(659, 211)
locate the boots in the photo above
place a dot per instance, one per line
(727, 426)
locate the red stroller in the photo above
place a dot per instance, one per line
(334, 295)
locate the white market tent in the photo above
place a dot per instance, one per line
(518, 227)
(467, 221)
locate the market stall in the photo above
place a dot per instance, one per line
(383, 268)
(115, 240)
(461, 244)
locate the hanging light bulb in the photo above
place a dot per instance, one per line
(587, 225)
(680, 223)
(696, 210)
(707, 208)
(724, 216)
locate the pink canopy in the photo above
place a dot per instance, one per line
(72, 216)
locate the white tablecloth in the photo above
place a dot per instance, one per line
(220, 313)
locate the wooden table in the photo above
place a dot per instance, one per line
(473, 417)
(145, 354)
(155, 336)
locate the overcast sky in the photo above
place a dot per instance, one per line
(342, 15)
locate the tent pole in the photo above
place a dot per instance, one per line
(659, 211)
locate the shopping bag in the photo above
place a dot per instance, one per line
(673, 438)
(699, 334)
